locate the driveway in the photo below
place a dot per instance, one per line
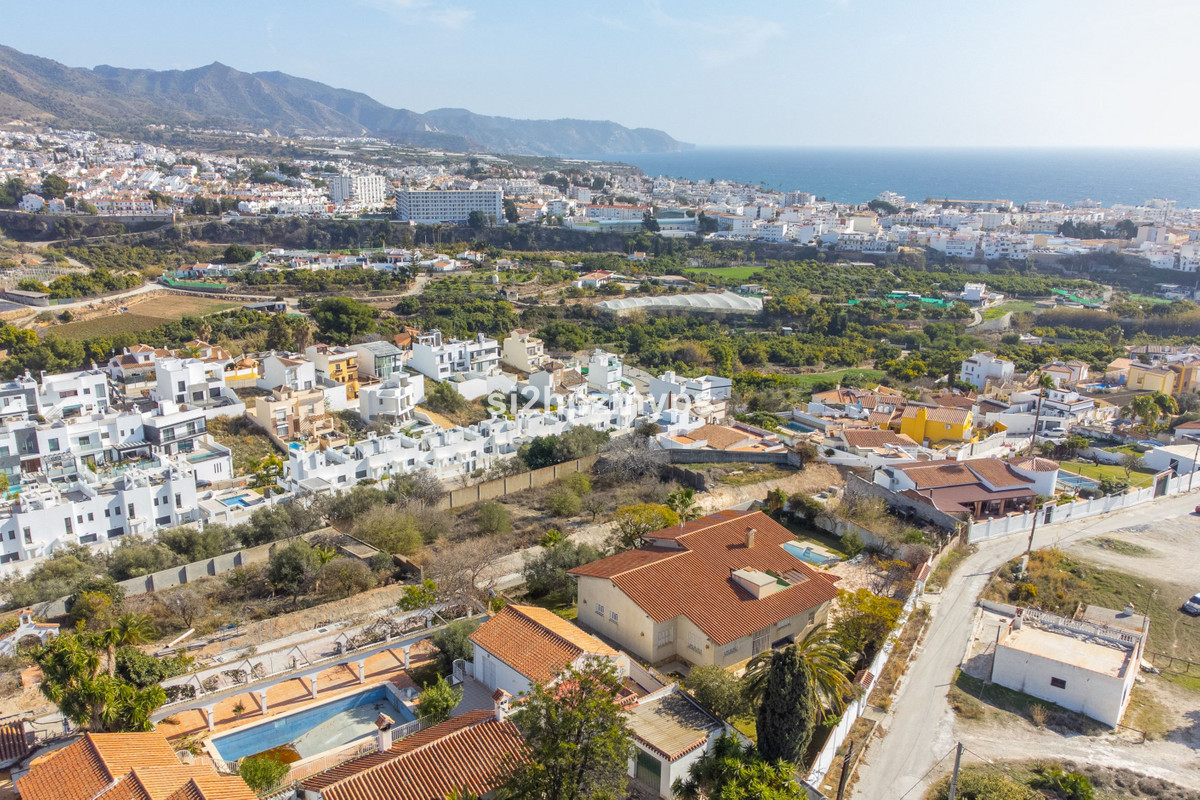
(919, 729)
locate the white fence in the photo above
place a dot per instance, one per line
(982, 530)
(828, 754)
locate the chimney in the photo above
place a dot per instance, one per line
(1129, 609)
(750, 534)
(500, 704)
(384, 724)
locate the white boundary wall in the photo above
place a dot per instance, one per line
(982, 530)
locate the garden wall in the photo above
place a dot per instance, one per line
(500, 487)
(177, 576)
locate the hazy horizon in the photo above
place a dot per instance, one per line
(821, 73)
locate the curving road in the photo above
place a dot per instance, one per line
(920, 725)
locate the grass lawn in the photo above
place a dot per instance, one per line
(1146, 299)
(738, 275)
(1061, 582)
(1137, 478)
(1015, 307)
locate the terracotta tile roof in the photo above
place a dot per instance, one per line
(214, 787)
(472, 751)
(14, 745)
(88, 765)
(1035, 464)
(695, 581)
(536, 642)
(966, 402)
(996, 473)
(881, 417)
(623, 562)
(869, 437)
(720, 437)
(949, 416)
(154, 783)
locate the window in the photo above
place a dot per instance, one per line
(178, 500)
(108, 512)
(79, 518)
(53, 443)
(83, 441)
(179, 387)
(812, 617)
(787, 623)
(91, 517)
(612, 616)
(28, 536)
(1058, 683)
(599, 609)
(731, 649)
(695, 643)
(131, 513)
(664, 637)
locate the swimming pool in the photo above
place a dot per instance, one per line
(316, 729)
(806, 554)
(1073, 481)
(796, 426)
(240, 501)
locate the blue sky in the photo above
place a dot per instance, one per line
(798, 72)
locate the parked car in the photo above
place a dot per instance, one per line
(1192, 606)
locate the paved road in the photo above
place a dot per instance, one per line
(920, 726)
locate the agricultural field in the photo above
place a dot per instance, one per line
(143, 316)
(738, 275)
(1016, 307)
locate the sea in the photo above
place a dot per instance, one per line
(856, 175)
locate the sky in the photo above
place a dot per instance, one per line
(935, 73)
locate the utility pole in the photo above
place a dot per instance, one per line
(1195, 466)
(845, 771)
(954, 775)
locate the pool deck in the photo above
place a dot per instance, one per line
(293, 695)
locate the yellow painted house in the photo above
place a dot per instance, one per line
(1151, 379)
(936, 424)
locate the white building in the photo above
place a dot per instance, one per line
(604, 372)
(440, 359)
(451, 205)
(393, 400)
(367, 190)
(707, 396)
(72, 394)
(983, 367)
(1087, 665)
(617, 212)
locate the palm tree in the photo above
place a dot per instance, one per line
(127, 629)
(714, 769)
(827, 667)
(1044, 383)
(1146, 409)
(683, 502)
(324, 556)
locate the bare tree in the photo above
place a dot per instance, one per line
(629, 459)
(468, 571)
(188, 604)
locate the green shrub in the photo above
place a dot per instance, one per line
(562, 502)
(578, 483)
(492, 518)
(1067, 785)
(262, 773)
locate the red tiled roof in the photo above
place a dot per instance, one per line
(13, 743)
(695, 581)
(472, 751)
(949, 416)
(1034, 464)
(88, 765)
(869, 437)
(536, 642)
(214, 787)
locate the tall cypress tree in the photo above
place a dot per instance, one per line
(788, 711)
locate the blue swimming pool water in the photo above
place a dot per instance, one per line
(239, 501)
(796, 426)
(804, 553)
(317, 729)
(1073, 481)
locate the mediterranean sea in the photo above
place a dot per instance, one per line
(856, 175)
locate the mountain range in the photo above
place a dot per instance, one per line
(40, 90)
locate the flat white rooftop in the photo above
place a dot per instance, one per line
(1093, 656)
